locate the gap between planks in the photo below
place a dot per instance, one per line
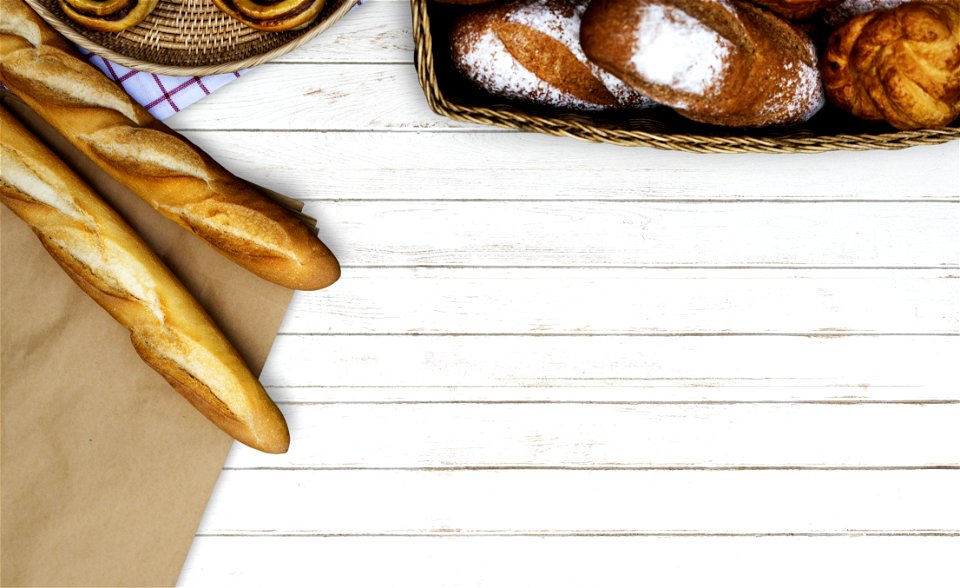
(469, 533)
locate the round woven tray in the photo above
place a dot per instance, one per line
(189, 37)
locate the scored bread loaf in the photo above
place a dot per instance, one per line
(529, 50)
(160, 166)
(104, 256)
(715, 61)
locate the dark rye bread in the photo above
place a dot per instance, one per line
(529, 50)
(719, 62)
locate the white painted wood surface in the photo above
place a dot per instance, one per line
(562, 364)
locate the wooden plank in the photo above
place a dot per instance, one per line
(570, 435)
(650, 391)
(510, 502)
(574, 562)
(630, 234)
(428, 361)
(457, 166)
(318, 97)
(630, 301)
(379, 31)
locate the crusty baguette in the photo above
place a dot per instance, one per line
(103, 255)
(160, 166)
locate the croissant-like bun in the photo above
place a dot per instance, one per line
(900, 65)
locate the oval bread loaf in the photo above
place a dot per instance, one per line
(529, 50)
(721, 62)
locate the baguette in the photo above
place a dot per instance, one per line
(157, 164)
(103, 255)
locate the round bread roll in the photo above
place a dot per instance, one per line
(900, 65)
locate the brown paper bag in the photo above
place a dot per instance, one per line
(106, 470)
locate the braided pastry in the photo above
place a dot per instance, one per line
(108, 15)
(267, 15)
(103, 255)
(160, 166)
(900, 65)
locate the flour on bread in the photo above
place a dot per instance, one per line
(674, 49)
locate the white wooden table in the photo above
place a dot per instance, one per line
(556, 363)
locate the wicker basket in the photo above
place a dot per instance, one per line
(449, 95)
(189, 38)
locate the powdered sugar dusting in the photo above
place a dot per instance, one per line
(677, 50)
(799, 96)
(490, 64)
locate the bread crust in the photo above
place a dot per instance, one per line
(900, 65)
(797, 9)
(160, 166)
(745, 67)
(529, 50)
(106, 258)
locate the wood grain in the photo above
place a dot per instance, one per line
(564, 502)
(631, 234)
(378, 32)
(514, 361)
(457, 166)
(334, 96)
(574, 562)
(630, 301)
(653, 391)
(599, 436)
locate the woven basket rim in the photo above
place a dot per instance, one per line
(514, 118)
(174, 70)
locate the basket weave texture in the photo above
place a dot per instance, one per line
(189, 38)
(659, 128)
